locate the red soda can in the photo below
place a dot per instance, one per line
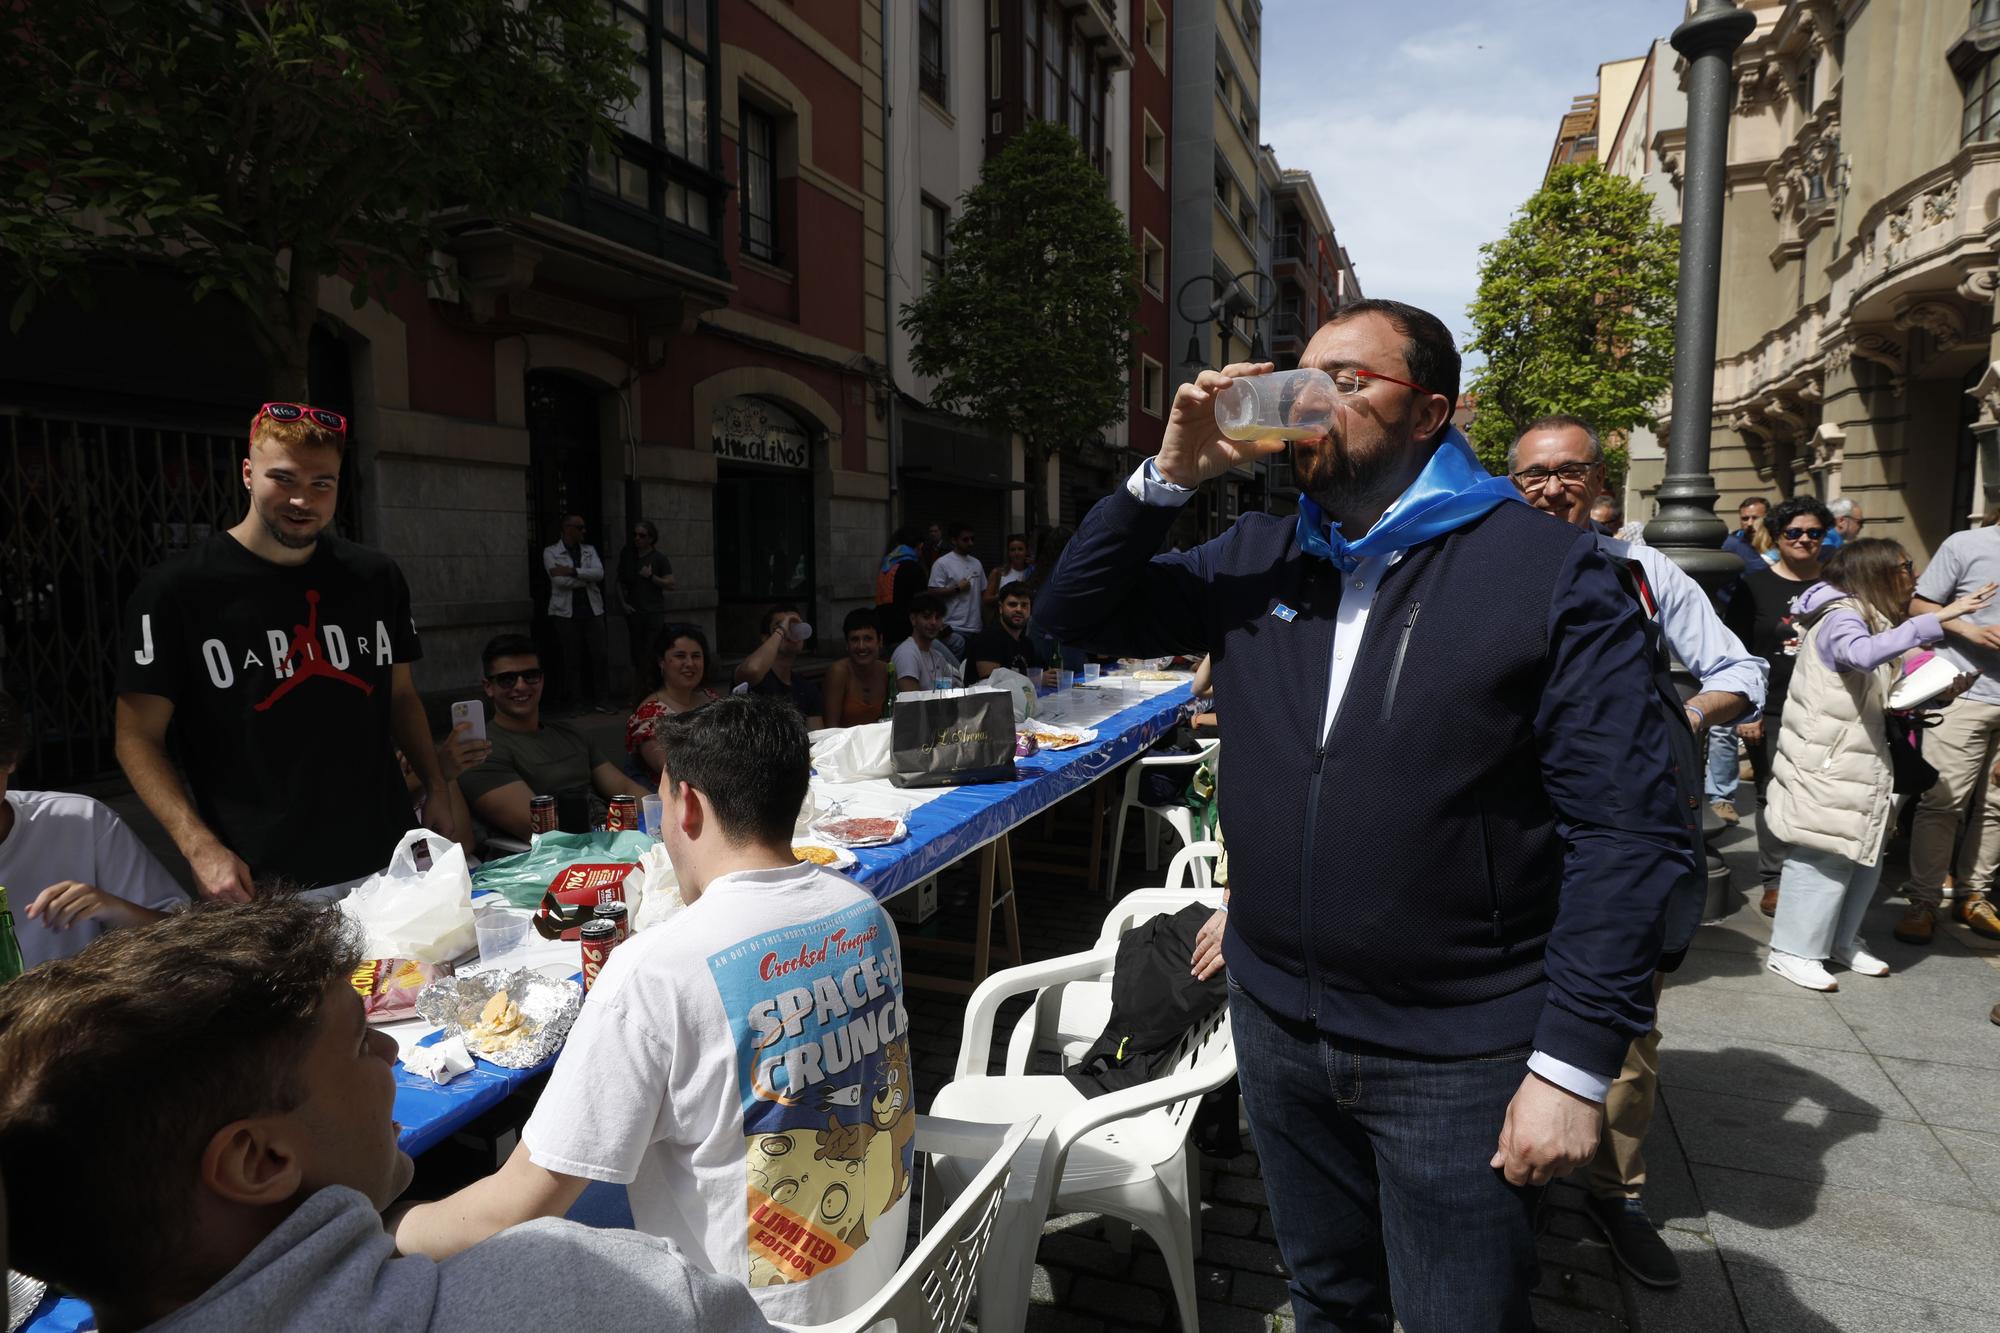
(542, 814)
(600, 937)
(614, 911)
(623, 815)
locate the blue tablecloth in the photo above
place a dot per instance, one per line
(430, 1112)
(966, 818)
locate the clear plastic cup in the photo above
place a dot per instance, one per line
(500, 934)
(1090, 673)
(800, 630)
(651, 811)
(1065, 678)
(1286, 405)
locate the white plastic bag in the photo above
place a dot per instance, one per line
(1017, 685)
(848, 754)
(422, 915)
(652, 890)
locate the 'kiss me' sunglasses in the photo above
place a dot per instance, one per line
(288, 412)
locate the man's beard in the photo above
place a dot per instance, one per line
(1337, 479)
(287, 537)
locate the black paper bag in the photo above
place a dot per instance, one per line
(960, 737)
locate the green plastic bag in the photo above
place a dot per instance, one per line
(524, 877)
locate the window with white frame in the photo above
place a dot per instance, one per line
(931, 243)
(1152, 263)
(1153, 148)
(1152, 387)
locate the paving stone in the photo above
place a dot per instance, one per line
(1227, 1220)
(1772, 1302)
(1084, 1254)
(1954, 1095)
(1872, 1238)
(1259, 1292)
(1704, 1302)
(1804, 1019)
(1217, 1318)
(1240, 1189)
(1772, 1070)
(1250, 1255)
(1048, 1319)
(1553, 1318)
(1049, 1286)
(1810, 1144)
(1123, 1301)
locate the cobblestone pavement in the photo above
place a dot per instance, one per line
(1099, 1277)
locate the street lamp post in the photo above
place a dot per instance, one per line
(1686, 528)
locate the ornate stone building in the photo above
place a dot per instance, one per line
(1856, 351)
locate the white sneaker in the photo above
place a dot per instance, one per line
(1862, 963)
(1807, 972)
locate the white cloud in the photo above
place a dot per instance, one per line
(1425, 134)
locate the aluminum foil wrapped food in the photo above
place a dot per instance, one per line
(517, 1019)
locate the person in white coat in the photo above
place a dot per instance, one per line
(1832, 781)
(576, 613)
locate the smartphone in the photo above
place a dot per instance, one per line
(472, 711)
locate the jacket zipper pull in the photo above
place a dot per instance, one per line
(1496, 924)
(1319, 758)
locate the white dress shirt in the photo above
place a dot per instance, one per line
(1357, 599)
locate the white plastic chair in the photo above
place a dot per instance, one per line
(1123, 1154)
(932, 1288)
(1176, 817)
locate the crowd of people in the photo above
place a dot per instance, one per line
(1443, 984)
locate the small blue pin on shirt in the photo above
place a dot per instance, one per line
(1284, 613)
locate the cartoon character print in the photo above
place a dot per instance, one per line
(816, 1214)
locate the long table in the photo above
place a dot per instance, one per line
(962, 822)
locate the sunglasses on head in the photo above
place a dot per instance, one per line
(505, 679)
(1804, 534)
(319, 416)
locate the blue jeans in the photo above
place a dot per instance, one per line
(1723, 771)
(1376, 1169)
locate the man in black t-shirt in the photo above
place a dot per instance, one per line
(1007, 643)
(273, 662)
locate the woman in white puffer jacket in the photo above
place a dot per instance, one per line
(1832, 795)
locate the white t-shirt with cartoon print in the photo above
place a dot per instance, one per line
(745, 1070)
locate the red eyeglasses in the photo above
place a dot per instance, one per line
(319, 416)
(1351, 381)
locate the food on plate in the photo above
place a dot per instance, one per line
(1059, 740)
(501, 1025)
(1157, 675)
(819, 856)
(857, 829)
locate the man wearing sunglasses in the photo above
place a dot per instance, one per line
(273, 662)
(1456, 836)
(533, 755)
(1760, 614)
(1557, 462)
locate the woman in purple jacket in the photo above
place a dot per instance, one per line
(1832, 785)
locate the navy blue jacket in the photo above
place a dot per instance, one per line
(1477, 859)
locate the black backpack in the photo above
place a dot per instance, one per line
(1154, 1001)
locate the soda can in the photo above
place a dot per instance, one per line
(622, 815)
(614, 911)
(542, 814)
(600, 937)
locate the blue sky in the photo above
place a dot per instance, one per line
(1427, 123)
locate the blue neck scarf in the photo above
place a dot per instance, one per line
(1451, 491)
(902, 555)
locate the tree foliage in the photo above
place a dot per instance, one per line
(1029, 325)
(256, 145)
(1575, 311)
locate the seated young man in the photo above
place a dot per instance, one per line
(921, 660)
(1007, 643)
(61, 858)
(195, 1132)
(532, 755)
(744, 1069)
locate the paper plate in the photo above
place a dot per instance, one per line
(1924, 684)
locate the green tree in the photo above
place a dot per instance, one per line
(1029, 324)
(1575, 312)
(256, 145)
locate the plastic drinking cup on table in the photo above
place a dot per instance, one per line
(1090, 673)
(500, 933)
(1065, 678)
(651, 812)
(941, 683)
(1287, 405)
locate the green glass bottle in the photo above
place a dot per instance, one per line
(10, 948)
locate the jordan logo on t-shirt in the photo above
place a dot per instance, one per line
(304, 659)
